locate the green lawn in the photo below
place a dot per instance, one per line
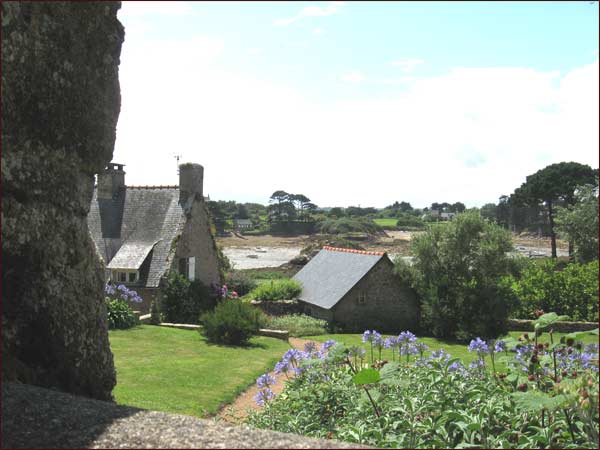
(456, 350)
(177, 371)
(388, 222)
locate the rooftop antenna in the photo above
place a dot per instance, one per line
(177, 158)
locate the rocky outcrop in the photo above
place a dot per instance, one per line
(60, 104)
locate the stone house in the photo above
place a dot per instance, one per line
(143, 232)
(357, 290)
(242, 224)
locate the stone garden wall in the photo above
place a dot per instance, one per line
(561, 327)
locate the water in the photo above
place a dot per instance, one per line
(273, 257)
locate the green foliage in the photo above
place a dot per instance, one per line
(231, 323)
(154, 313)
(277, 290)
(458, 272)
(551, 185)
(579, 223)
(438, 402)
(299, 325)
(240, 282)
(349, 225)
(572, 291)
(410, 221)
(120, 314)
(223, 263)
(182, 301)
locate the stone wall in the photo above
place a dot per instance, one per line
(60, 104)
(389, 305)
(560, 327)
(197, 240)
(279, 308)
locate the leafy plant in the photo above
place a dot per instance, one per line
(182, 301)
(277, 290)
(572, 291)
(458, 271)
(437, 402)
(240, 282)
(118, 306)
(299, 325)
(120, 314)
(232, 322)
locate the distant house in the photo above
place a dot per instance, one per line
(447, 215)
(242, 224)
(143, 232)
(358, 290)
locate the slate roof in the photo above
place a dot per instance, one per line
(141, 223)
(328, 277)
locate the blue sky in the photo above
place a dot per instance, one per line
(358, 102)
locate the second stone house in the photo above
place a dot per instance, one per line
(143, 232)
(357, 290)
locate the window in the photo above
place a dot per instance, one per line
(132, 277)
(187, 267)
(362, 299)
(122, 276)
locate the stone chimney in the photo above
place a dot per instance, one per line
(111, 182)
(191, 178)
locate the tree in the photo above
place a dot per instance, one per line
(579, 223)
(457, 207)
(460, 267)
(405, 206)
(488, 211)
(551, 185)
(336, 212)
(242, 212)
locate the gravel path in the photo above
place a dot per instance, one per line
(236, 412)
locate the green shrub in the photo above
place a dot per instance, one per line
(120, 314)
(572, 291)
(277, 290)
(154, 313)
(231, 322)
(240, 282)
(458, 272)
(299, 325)
(183, 301)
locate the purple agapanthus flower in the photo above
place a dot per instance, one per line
(406, 337)
(456, 366)
(479, 346)
(499, 347)
(358, 352)
(310, 347)
(372, 336)
(265, 380)
(328, 344)
(264, 395)
(421, 347)
(391, 342)
(476, 365)
(440, 354)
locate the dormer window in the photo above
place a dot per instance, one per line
(125, 275)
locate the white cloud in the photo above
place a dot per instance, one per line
(311, 11)
(407, 65)
(164, 8)
(353, 77)
(470, 135)
(254, 51)
(318, 31)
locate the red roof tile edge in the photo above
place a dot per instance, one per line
(351, 250)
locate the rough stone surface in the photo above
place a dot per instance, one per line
(560, 327)
(279, 307)
(60, 104)
(33, 417)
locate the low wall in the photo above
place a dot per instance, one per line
(34, 417)
(279, 308)
(560, 327)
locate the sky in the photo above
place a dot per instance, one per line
(357, 103)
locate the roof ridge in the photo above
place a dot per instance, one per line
(351, 250)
